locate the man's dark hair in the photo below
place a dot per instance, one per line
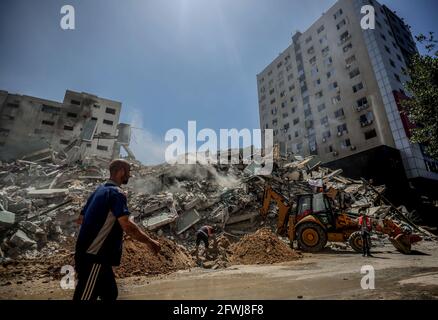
(118, 164)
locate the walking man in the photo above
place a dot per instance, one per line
(99, 244)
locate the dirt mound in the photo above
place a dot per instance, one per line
(261, 247)
(138, 259)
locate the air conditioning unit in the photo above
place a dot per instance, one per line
(339, 133)
(353, 148)
(324, 140)
(335, 153)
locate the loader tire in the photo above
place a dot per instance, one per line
(355, 241)
(311, 237)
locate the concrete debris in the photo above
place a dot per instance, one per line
(21, 240)
(41, 199)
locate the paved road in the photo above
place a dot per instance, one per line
(326, 275)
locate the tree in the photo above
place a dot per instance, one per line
(422, 107)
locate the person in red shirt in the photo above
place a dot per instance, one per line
(365, 226)
(203, 234)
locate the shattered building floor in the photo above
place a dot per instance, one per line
(40, 201)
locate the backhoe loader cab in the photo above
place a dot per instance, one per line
(319, 206)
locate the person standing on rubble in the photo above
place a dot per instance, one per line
(203, 234)
(365, 229)
(99, 244)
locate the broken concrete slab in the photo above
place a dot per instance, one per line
(242, 217)
(47, 193)
(7, 218)
(21, 240)
(186, 220)
(193, 203)
(158, 220)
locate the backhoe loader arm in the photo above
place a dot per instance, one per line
(283, 208)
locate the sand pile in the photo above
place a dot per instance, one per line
(138, 259)
(261, 247)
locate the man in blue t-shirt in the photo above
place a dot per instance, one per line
(99, 244)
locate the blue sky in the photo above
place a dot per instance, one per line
(167, 61)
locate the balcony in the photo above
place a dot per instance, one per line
(366, 123)
(361, 107)
(344, 40)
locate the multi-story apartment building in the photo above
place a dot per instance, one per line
(28, 124)
(335, 93)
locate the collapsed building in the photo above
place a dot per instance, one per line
(82, 126)
(40, 202)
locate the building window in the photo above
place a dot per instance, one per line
(13, 105)
(321, 107)
(109, 122)
(76, 102)
(399, 58)
(370, 134)
(345, 143)
(387, 50)
(332, 86)
(383, 36)
(72, 115)
(362, 104)
(324, 121)
(96, 106)
(344, 37)
(313, 60)
(354, 73)
(296, 134)
(397, 77)
(317, 82)
(63, 141)
(4, 132)
(110, 110)
(330, 73)
(342, 128)
(338, 14)
(358, 87)
(68, 128)
(341, 24)
(307, 113)
(273, 101)
(296, 121)
(7, 117)
(50, 109)
(366, 119)
(48, 123)
(103, 148)
(326, 135)
(347, 47)
(392, 63)
(350, 60)
(336, 99)
(328, 61)
(311, 50)
(290, 77)
(339, 113)
(319, 94)
(325, 51)
(323, 40)
(320, 29)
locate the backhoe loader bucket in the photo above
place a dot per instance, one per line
(402, 242)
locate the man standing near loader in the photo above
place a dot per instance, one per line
(99, 245)
(365, 229)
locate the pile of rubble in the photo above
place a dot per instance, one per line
(261, 247)
(40, 201)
